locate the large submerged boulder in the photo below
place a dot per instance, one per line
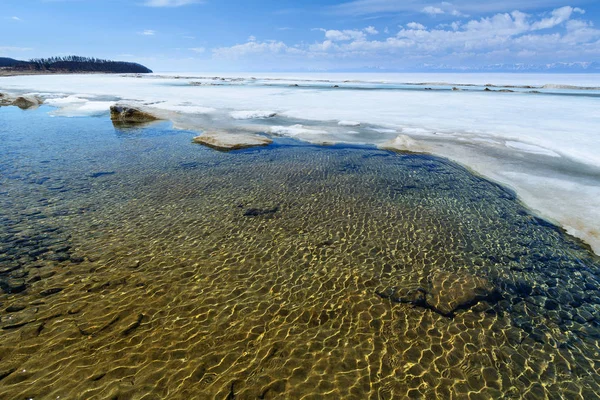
(226, 141)
(130, 115)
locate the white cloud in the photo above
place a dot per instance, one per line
(147, 32)
(189, 37)
(254, 48)
(366, 7)
(557, 17)
(198, 50)
(5, 49)
(501, 38)
(16, 19)
(171, 3)
(415, 25)
(336, 35)
(348, 34)
(432, 10)
(252, 38)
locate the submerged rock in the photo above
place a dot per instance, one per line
(257, 212)
(130, 115)
(226, 141)
(447, 293)
(450, 291)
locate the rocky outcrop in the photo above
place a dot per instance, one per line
(23, 102)
(447, 293)
(404, 143)
(226, 141)
(130, 115)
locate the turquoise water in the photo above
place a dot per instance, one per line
(136, 264)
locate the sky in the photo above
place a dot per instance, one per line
(309, 35)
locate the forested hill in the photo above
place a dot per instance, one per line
(71, 64)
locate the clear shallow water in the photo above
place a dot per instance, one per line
(135, 264)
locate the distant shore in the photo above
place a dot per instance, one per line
(10, 72)
(67, 65)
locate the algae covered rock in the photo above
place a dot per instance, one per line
(130, 115)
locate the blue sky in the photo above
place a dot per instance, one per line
(269, 35)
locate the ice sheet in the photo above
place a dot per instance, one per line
(254, 114)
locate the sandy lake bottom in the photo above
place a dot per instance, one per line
(135, 264)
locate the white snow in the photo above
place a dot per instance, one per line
(295, 130)
(349, 123)
(530, 148)
(255, 114)
(74, 106)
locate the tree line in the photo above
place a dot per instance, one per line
(53, 60)
(78, 64)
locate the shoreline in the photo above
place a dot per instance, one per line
(552, 184)
(6, 73)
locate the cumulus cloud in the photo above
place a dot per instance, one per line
(254, 48)
(336, 35)
(348, 34)
(415, 25)
(171, 3)
(557, 17)
(432, 10)
(367, 7)
(371, 30)
(503, 38)
(147, 32)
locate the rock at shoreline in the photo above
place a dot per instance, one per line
(225, 141)
(130, 115)
(23, 102)
(404, 143)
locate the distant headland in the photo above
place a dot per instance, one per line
(68, 65)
